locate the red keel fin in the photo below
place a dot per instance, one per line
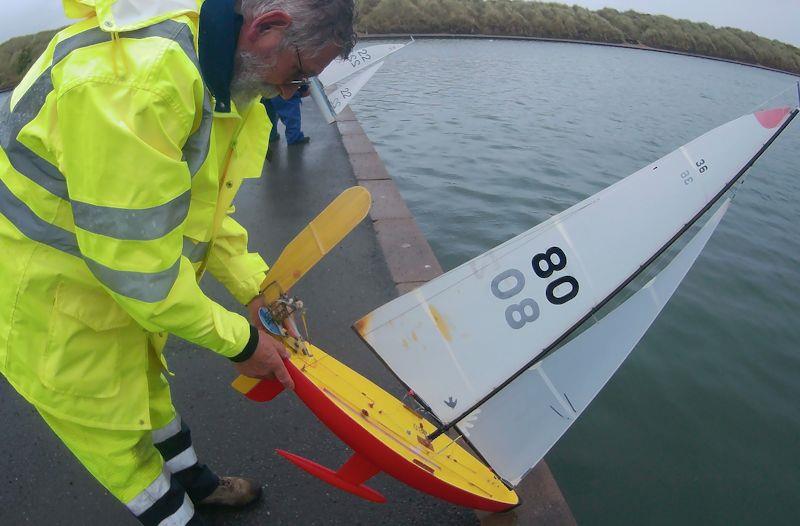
(349, 478)
(265, 390)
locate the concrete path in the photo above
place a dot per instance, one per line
(42, 484)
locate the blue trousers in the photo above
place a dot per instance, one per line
(273, 118)
(288, 112)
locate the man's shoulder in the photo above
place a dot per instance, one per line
(143, 56)
(160, 59)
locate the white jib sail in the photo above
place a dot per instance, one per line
(358, 59)
(538, 407)
(341, 94)
(458, 338)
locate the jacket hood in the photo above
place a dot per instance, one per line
(127, 15)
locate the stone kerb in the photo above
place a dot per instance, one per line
(411, 263)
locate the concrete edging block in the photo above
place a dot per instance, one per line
(349, 128)
(386, 200)
(368, 166)
(357, 144)
(412, 263)
(346, 115)
(406, 250)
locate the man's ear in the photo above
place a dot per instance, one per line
(270, 20)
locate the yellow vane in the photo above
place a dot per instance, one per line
(244, 383)
(323, 233)
(317, 239)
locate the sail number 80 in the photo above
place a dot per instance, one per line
(510, 282)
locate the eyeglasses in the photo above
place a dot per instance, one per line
(304, 80)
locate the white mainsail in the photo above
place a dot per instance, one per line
(341, 94)
(337, 85)
(458, 339)
(549, 396)
(359, 58)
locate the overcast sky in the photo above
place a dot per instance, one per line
(770, 18)
(778, 19)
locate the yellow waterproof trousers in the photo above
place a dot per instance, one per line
(154, 473)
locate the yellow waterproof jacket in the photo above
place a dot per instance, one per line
(116, 180)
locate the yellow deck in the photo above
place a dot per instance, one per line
(382, 415)
(399, 427)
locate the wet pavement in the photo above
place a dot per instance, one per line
(43, 484)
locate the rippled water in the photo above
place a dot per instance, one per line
(486, 139)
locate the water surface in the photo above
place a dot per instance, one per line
(486, 139)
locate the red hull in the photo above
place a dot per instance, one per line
(383, 457)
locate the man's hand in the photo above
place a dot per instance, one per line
(267, 361)
(252, 308)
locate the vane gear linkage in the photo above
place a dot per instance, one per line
(278, 314)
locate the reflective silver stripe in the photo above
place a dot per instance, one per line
(142, 224)
(90, 37)
(182, 516)
(194, 252)
(153, 223)
(30, 104)
(21, 158)
(171, 429)
(149, 287)
(195, 151)
(157, 489)
(185, 459)
(178, 32)
(33, 226)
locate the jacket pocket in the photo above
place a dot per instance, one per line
(87, 336)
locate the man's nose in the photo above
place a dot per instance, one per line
(287, 90)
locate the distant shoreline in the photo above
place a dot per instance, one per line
(9, 81)
(640, 47)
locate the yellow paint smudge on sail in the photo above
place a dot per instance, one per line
(441, 324)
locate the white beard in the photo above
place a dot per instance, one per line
(247, 83)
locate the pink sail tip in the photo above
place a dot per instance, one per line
(772, 118)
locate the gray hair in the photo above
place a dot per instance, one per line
(315, 23)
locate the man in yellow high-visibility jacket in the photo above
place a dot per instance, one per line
(120, 153)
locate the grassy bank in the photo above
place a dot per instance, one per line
(559, 21)
(17, 55)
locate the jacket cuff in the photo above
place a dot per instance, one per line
(250, 288)
(249, 349)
